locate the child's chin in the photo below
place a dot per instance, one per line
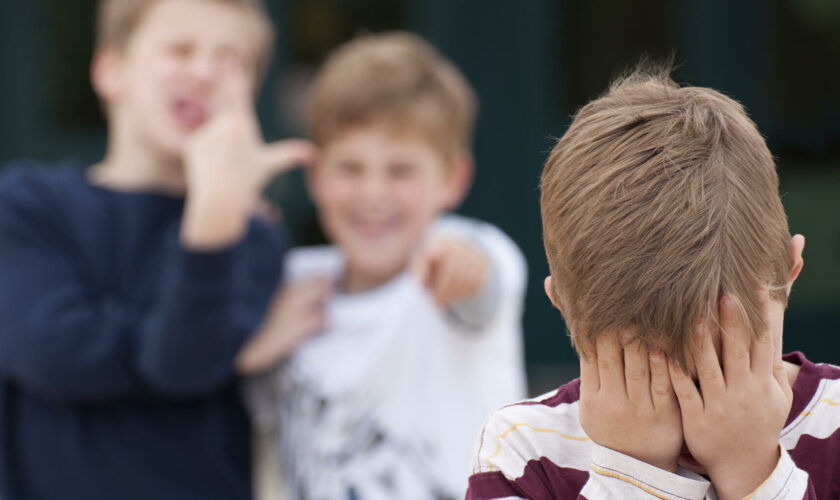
(174, 147)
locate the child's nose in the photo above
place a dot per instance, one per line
(205, 68)
(374, 187)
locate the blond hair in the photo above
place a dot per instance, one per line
(397, 77)
(656, 201)
(117, 20)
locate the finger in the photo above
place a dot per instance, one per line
(709, 373)
(422, 269)
(430, 257)
(637, 372)
(477, 276)
(419, 264)
(590, 383)
(235, 90)
(470, 274)
(735, 340)
(691, 403)
(310, 291)
(320, 324)
(762, 350)
(611, 365)
(462, 284)
(282, 156)
(315, 284)
(448, 281)
(661, 390)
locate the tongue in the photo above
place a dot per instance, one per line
(190, 114)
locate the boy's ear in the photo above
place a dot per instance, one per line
(460, 180)
(547, 284)
(797, 245)
(105, 75)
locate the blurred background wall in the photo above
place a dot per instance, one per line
(533, 63)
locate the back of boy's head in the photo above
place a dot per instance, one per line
(117, 20)
(656, 201)
(397, 78)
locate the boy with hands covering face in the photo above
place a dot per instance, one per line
(671, 263)
(632, 400)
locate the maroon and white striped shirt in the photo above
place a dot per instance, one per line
(537, 449)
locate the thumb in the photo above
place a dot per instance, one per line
(425, 265)
(236, 94)
(281, 156)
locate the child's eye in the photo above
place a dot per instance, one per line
(349, 168)
(402, 170)
(180, 49)
(230, 55)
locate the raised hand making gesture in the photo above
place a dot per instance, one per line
(228, 164)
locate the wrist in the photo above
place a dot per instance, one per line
(263, 351)
(738, 479)
(210, 224)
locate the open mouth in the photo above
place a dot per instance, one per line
(189, 113)
(375, 229)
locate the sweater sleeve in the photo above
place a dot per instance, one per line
(64, 340)
(186, 343)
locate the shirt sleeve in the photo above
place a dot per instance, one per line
(787, 482)
(64, 340)
(613, 475)
(528, 451)
(507, 270)
(508, 464)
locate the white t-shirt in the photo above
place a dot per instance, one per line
(387, 401)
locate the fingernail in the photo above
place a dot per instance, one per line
(656, 357)
(728, 302)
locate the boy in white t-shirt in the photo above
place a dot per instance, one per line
(421, 337)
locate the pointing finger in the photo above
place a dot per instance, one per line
(235, 90)
(282, 156)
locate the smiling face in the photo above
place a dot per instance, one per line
(376, 191)
(164, 83)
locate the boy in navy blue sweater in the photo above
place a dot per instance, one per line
(128, 291)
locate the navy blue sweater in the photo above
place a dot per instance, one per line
(116, 345)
